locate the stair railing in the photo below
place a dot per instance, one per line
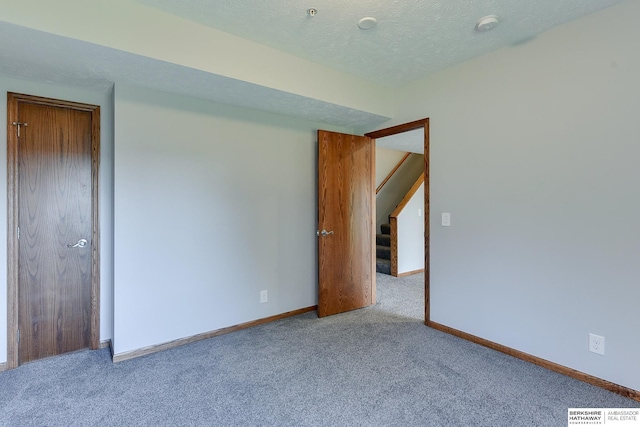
(394, 170)
(393, 220)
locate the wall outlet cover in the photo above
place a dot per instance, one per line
(596, 344)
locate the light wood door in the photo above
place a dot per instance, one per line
(346, 208)
(54, 189)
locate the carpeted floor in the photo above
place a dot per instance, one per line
(378, 366)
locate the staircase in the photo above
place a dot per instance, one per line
(383, 249)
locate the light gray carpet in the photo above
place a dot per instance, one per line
(378, 366)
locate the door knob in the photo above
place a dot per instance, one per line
(79, 244)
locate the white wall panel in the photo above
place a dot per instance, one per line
(534, 152)
(213, 204)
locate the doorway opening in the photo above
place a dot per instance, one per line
(412, 129)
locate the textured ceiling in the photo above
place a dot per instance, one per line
(413, 38)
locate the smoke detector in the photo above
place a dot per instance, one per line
(367, 23)
(487, 23)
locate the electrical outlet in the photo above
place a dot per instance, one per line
(596, 344)
(263, 297)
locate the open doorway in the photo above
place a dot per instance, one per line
(410, 137)
(399, 207)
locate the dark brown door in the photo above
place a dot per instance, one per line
(54, 188)
(346, 207)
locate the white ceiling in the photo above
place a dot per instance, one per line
(413, 38)
(92, 45)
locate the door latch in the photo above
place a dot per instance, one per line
(79, 244)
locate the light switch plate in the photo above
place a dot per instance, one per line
(446, 219)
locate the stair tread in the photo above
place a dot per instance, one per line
(383, 266)
(383, 239)
(383, 248)
(383, 252)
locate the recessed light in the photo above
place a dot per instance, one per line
(312, 11)
(487, 23)
(367, 23)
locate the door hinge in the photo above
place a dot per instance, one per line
(18, 233)
(18, 335)
(18, 124)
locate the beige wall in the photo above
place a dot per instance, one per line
(386, 160)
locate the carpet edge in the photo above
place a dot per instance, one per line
(132, 354)
(578, 375)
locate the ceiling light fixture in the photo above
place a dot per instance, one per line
(367, 23)
(487, 23)
(312, 12)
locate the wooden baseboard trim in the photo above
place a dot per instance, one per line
(590, 379)
(105, 344)
(206, 335)
(3, 367)
(409, 273)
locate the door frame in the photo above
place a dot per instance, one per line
(12, 217)
(417, 124)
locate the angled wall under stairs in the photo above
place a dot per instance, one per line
(388, 198)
